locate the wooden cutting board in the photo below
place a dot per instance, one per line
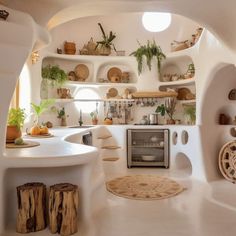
(26, 144)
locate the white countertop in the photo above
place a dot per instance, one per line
(52, 151)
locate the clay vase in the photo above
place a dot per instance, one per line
(94, 121)
(12, 133)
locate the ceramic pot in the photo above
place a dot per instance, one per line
(12, 133)
(105, 51)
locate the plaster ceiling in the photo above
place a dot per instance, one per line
(216, 15)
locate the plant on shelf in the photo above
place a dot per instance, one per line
(38, 111)
(190, 113)
(106, 44)
(61, 114)
(55, 75)
(94, 117)
(151, 50)
(15, 121)
(167, 108)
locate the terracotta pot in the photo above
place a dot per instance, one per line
(94, 122)
(12, 133)
(171, 122)
(70, 48)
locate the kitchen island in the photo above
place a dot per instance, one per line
(55, 160)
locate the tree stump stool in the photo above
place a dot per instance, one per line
(63, 208)
(31, 215)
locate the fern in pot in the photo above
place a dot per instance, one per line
(53, 76)
(149, 52)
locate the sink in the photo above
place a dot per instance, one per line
(81, 126)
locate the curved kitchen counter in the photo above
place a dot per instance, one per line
(52, 151)
(56, 160)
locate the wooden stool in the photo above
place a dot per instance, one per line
(31, 213)
(63, 208)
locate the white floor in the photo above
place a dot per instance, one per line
(201, 210)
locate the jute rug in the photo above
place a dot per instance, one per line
(144, 187)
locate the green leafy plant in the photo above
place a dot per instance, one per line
(190, 111)
(94, 115)
(150, 50)
(41, 108)
(107, 39)
(167, 108)
(61, 113)
(16, 117)
(161, 109)
(54, 74)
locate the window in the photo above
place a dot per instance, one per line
(156, 21)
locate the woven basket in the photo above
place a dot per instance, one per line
(69, 48)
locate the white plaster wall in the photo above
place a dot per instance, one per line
(128, 28)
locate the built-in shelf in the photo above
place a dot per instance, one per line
(158, 94)
(187, 102)
(110, 158)
(178, 82)
(100, 84)
(104, 136)
(110, 147)
(92, 100)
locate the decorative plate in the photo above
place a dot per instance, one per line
(112, 92)
(82, 72)
(26, 144)
(40, 135)
(114, 74)
(227, 161)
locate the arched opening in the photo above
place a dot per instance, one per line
(183, 164)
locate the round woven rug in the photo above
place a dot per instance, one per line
(144, 187)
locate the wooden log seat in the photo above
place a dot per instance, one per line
(31, 215)
(63, 208)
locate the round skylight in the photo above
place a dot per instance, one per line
(156, 21)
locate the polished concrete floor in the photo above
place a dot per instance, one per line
(204, 209)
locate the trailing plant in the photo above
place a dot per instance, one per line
(107, 39)
(150, 50)
(16, 117)
(41, 108)
(55, 74)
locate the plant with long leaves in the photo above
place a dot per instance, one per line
(150, 50)
(107, 39)
(41, 108)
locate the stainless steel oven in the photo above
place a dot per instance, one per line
(148, 147)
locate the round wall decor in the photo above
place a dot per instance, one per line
(227, 161)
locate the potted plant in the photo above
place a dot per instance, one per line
(53, 76)
(190, 114)
(15, 121)
(106, 44)
(149, 51)
(94, 116)
(61, 114)
(38, 111)
(168, 108)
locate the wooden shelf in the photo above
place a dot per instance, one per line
(158, 94)
(111, 147)
(187, 102)
(67, 100)
(110, 158)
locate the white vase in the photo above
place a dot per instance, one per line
(148, 79)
